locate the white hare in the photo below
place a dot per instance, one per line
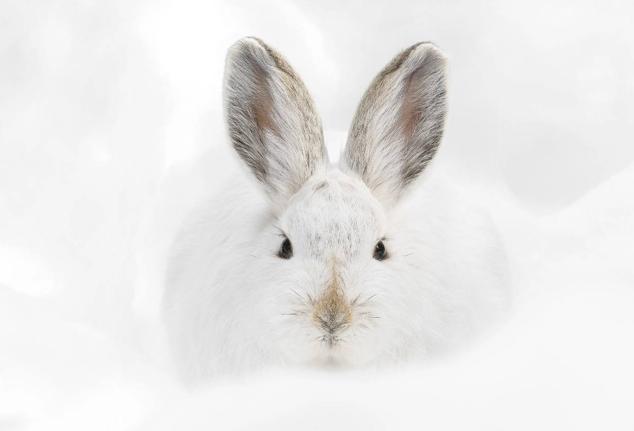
(366, 262)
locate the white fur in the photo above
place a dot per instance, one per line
(232, 304)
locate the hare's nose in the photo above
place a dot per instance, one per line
(332, 311)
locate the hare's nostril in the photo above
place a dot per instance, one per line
(332, 321)
(331, 310)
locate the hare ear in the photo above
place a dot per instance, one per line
(271, 119)
(398, 125)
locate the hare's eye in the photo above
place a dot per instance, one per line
(286, 249)
(380, 253)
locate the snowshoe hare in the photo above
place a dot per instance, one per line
(300, 261)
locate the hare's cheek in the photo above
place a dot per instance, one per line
(294, 348)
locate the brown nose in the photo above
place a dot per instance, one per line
(332, 311)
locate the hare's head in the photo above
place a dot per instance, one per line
(334, 268)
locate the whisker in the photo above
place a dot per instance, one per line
(354, 301)
(369, 315)
(302, 298)
(367, 300)
(310, 299)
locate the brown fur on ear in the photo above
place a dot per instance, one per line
(398, 125)
(271, 119)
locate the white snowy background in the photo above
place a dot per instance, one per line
(111, 131)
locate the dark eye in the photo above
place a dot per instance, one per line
(380, 253)
(286, 249)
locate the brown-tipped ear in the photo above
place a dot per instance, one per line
(399, 123)
(271, 119)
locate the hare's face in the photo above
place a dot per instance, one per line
(332, 248)
(330, 287)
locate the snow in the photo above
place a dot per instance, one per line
(111, 131)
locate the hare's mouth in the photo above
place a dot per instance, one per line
(329, 340)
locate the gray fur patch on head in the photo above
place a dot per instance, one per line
(271, 119)
(399, 123)
(334, 217)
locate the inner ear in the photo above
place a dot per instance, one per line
(262, 104)
(272, 122)
(398, 125)
(416, 155)
(410, 111)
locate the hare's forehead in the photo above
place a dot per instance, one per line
(335, 209)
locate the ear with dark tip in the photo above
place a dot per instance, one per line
(399, 123)
(271, 119)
